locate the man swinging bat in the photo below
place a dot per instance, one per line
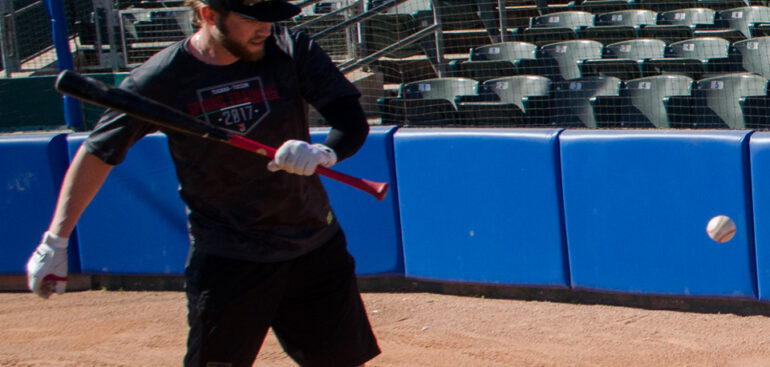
(266, 248)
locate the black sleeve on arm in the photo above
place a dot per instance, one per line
(349, 126)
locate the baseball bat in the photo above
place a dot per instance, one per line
(93, 91)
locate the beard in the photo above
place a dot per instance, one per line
(238, 50)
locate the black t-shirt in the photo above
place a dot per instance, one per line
(236, 207)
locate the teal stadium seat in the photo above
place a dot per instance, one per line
(642, 102)
(752, 55)
(555, 27)
(695, 57)
(427, 102)
(618, 26)
(561, 60)
(735, 24)
(679, 24)
(494, 61)
(717, 102)
(505, 101)
(624, 59)
(572, 100)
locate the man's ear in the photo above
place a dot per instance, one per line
(208, 15)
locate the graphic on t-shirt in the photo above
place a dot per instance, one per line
(238, 106)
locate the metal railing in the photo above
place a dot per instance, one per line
(435, 55)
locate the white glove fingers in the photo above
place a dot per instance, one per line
(301, 158)
(47, 267)
(309, 167)
(291, 160)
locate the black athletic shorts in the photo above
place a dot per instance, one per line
(311, 302)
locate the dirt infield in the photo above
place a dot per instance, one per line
(147, 328)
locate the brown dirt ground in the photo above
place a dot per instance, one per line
(415, 328)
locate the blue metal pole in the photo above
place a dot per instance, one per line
(73, 113)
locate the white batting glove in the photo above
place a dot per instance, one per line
(47, 267)
(301, 158)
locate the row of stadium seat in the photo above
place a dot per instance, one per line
(631, 59)
(731, 100)
(671, 26)
(468, 14)
(733, 24)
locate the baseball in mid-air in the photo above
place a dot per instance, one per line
(721, 228)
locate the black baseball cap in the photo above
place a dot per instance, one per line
(262, 10)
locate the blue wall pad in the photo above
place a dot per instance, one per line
(136, 224)
(371, 226)
(760, 183)
(636, 205)
(481, 205)
(31, 170)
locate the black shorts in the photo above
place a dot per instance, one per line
(311, 302)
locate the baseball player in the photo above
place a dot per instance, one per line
(266, 248)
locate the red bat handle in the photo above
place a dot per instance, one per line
(377, 189)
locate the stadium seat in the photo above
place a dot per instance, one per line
(427, 102)
(618, 26)
(505, 101)
(742, 19)
(642, 102)
(572, 100)
(561, 60)
(554, 27)
(649, 95)
(735, 24)
(691, 17)
(631, 18)
(716, 102)
(751, 55)
(678, 25)
(694, 57)
(495, 60)
(504, 51)
(624, 59)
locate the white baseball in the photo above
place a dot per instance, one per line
(721, 228)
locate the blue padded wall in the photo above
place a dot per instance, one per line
(760, 183)
(31, 170)
(371, 226)
(481, 205)
(136, 224)
(636, 205)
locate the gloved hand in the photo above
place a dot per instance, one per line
(47, 267)
(301, 158)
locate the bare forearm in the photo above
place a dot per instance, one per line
(83, 180)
